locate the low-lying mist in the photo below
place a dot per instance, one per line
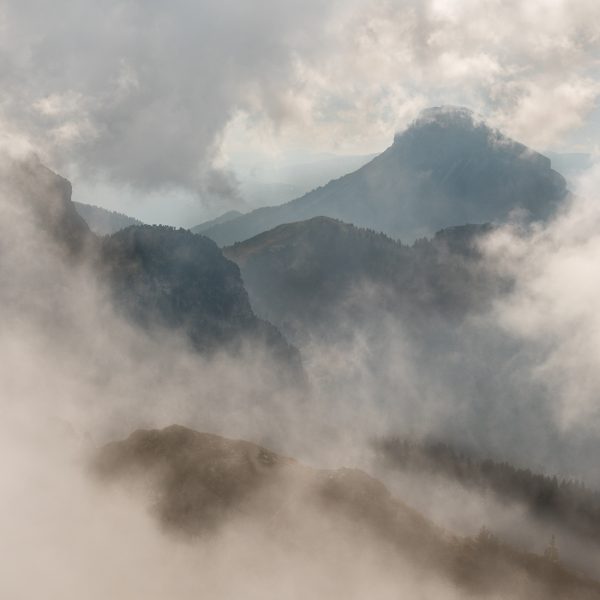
(516, 382)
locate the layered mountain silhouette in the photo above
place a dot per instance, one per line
(198, 483)
(102, 221)
(156, 276)
(310, 275)
(448, 168)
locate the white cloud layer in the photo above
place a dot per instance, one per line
(554, 307)
(143, 92)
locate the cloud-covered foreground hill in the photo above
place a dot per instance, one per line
(201, 484)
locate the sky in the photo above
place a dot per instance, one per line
(162, 109)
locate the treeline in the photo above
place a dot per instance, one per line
(568, 502)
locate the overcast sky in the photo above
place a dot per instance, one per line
(148, 105)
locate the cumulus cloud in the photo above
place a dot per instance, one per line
(553, 307)
(528, 67)
(143, 93)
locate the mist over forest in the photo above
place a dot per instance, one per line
(299, 299)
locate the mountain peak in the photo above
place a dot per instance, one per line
(448, 119)
(447, 168)
(457, 135)
(446, 113)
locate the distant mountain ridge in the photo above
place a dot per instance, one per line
(448, 168)
(311, 275)
(102, 221)
(224, 218)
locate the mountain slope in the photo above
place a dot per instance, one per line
(44, 199)
(158, 277)
(172, 278)
(224, 218)
(198, 483)
(318, 273)
(558, 502)
(102, 221)
(448, 168)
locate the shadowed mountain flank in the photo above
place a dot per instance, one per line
(448, 168)
(158, 277)
(44, 199)
(317, 273)
(172, 278)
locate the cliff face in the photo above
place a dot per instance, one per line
(172, 278)
(45, 201)
(176, 279)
